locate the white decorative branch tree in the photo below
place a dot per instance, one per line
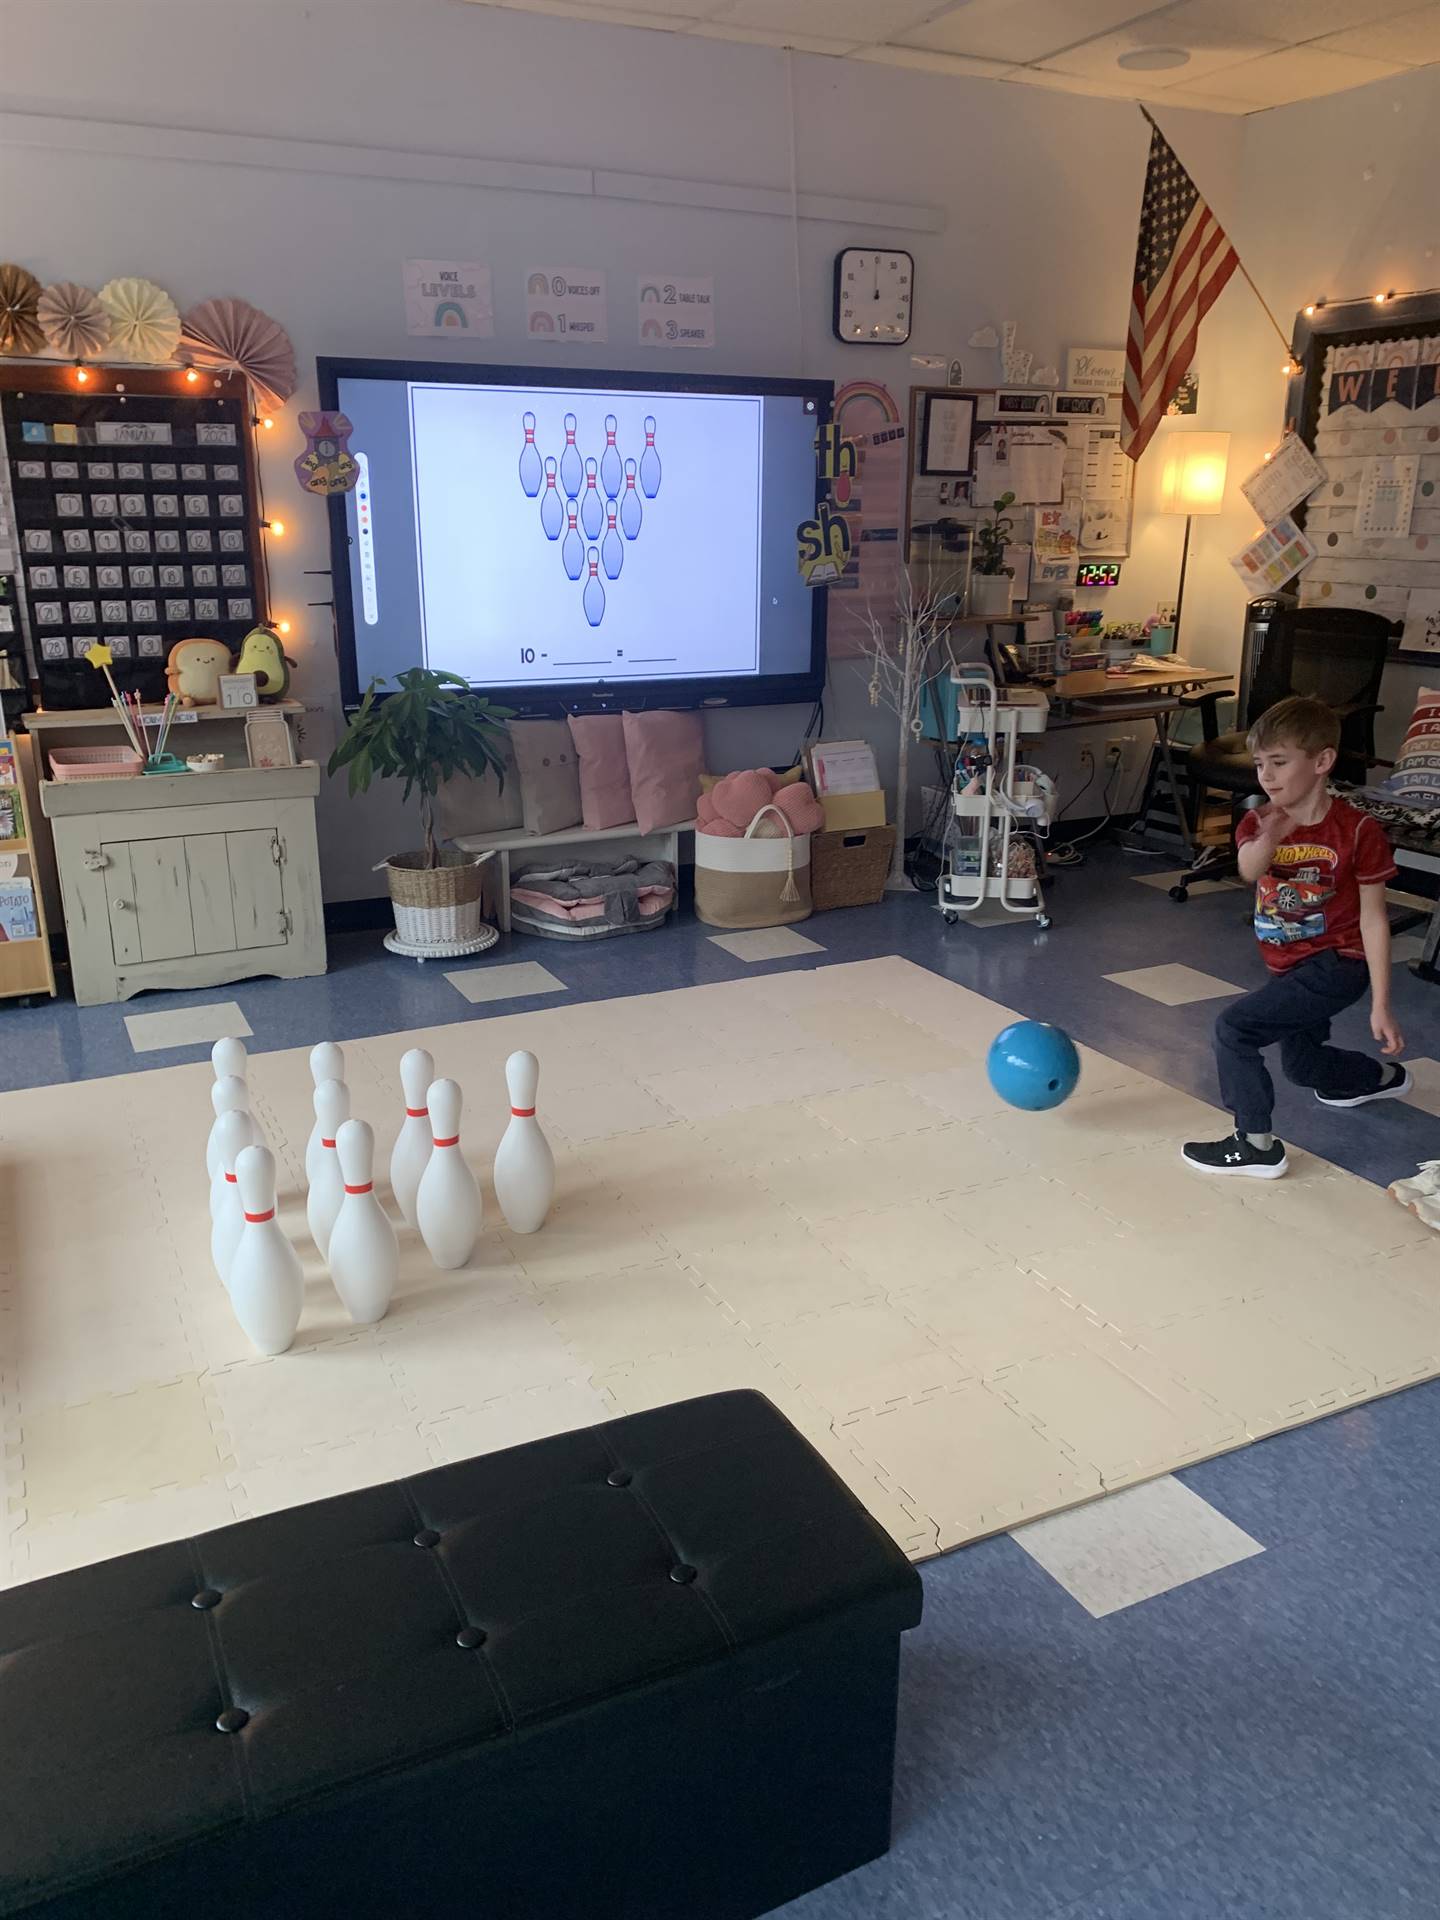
(904, 650)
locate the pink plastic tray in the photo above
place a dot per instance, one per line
(94, 763)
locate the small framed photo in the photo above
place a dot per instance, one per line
(268, 740)
(239, 690)
(948, 434)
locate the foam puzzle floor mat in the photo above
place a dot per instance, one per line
(799, 1182)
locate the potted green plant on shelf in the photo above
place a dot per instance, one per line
(989, 576)
(431, 728)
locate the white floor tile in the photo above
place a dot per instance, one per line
(512, 980)
(186, 1026)
(765, 943)
(1174, 985)
(1133, 1545)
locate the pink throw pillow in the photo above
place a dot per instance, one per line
(666, 754)
(604, 772)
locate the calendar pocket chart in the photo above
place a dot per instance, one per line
(127, 497)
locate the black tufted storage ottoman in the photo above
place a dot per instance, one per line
(647, 1669)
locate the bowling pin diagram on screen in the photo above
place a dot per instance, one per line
(608, 534)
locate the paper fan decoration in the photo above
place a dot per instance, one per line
(144, 319)
(73, 320)
(231, 335)
(19, 328)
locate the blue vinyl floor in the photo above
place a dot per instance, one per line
(1260, 1742)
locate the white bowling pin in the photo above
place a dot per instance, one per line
(364, 1254)
(448, 1208)
(237, 1132)
(267, 1285)
(524, 1164)
(229, 1056)
(327, 1189)
(415, 1142)
(228, 1095)
(327, 1062)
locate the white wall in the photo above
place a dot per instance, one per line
(1037, 194)
(1336, 199)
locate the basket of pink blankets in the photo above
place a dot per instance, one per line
(752, 851)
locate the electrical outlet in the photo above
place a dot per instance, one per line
(1120, 747)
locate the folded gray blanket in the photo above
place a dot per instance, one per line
(615, 885)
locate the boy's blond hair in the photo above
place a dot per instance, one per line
(1307, 725)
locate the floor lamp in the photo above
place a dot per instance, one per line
(1192, 481)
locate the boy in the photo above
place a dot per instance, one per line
(1319, 869)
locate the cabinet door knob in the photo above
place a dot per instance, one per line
(123, 905)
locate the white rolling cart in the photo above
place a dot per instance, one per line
(998, 802)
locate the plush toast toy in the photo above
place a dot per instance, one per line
(193, 671)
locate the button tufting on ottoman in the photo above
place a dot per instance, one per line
(642, 1669)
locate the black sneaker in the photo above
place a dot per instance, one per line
(1396, 1084)
(1236, 1155)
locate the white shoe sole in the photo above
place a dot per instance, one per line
(1397, 1092)
(1424, 1206)
(1276, 1172)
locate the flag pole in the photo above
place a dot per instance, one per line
(1279, 330)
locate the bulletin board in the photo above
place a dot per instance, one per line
(1071, 481)
(1368, 405)
(129, 512)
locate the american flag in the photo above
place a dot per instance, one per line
(1182, 261)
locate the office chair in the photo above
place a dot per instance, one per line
(1334, 654)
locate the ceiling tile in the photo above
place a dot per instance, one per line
(1297, 73)
(1210, 48)
(1020, 30)
(1412, 39)
(1121, 87)
(1293, 21)
(872, 21)
(760, 37)
(918, 60)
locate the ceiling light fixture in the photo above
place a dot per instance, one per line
(1153, 59)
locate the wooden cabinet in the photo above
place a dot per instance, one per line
(188, 880)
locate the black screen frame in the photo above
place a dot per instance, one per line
(751, 690)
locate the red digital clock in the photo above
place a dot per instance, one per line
(1098, 573)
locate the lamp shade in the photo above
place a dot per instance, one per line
(1193, 477)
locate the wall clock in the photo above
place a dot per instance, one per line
(874, 295)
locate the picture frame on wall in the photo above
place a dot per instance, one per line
(1083, 406)
(948, 436)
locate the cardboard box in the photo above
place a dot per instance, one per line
(846, 811)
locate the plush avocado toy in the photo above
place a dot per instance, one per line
(262, 655)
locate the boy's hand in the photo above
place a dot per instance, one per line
(1384, 1028)
(1275, 823)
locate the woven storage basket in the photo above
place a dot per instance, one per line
(850, 869)
(754, 882)
(435, 905)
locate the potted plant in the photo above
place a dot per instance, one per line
(431, 728)
(989, 576)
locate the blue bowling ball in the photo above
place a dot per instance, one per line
(1033, 1065)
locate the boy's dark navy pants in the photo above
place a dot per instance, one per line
(1294, 1008)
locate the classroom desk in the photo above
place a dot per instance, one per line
(1092, 696)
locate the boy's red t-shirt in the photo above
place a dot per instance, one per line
(1308, 901)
